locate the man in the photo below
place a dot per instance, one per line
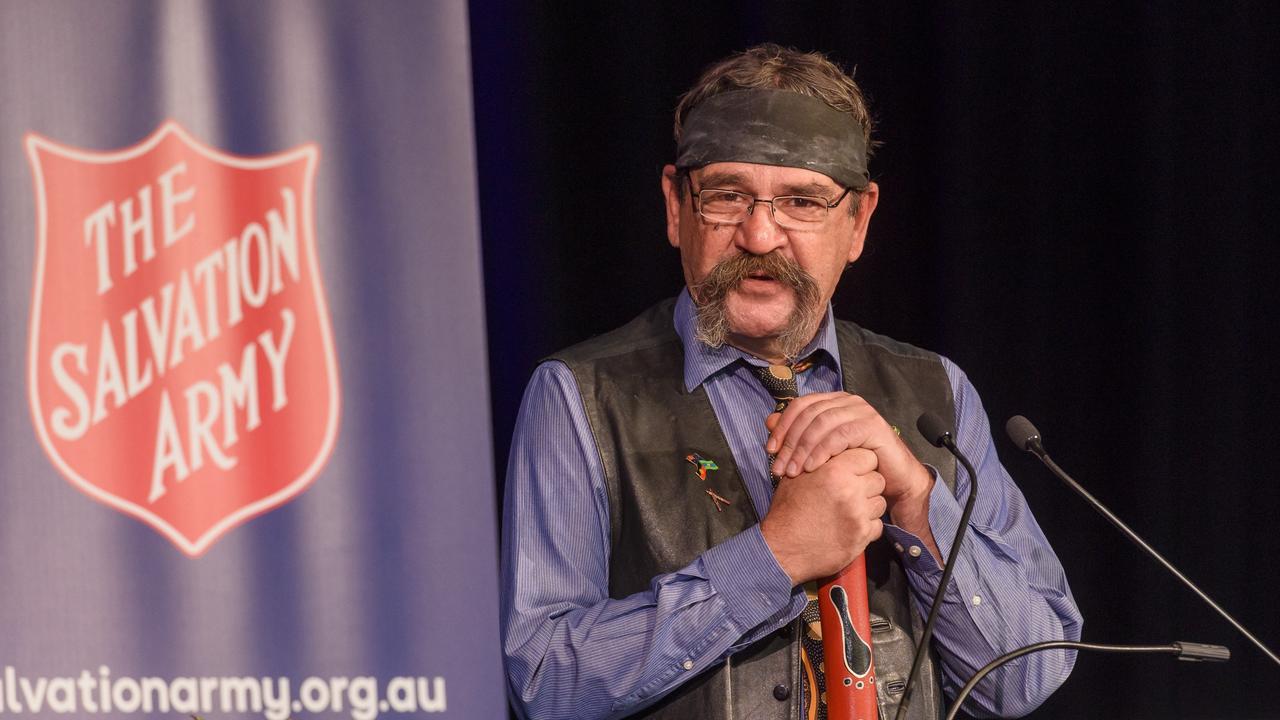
(649, 567)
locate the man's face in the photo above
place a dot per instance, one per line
(759, 309)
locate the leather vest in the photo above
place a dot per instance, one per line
(645, 424)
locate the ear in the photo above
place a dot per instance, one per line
(862, 220)
(671, 195)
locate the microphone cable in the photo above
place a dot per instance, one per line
(935, 430)
(1188, 651)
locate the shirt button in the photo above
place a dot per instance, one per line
(781, 692)
(687, 664)
(976, 600)
(914, 551)
(897, 546)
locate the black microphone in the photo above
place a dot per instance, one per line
(933, 429)
(1024, 434)
(938, 433)
(1026, 437)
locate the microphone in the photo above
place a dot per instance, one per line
(938, 433)
(933, 429)
(1026, 437)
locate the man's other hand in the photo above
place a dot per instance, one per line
(820, 521)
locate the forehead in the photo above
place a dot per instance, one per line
(755, 178)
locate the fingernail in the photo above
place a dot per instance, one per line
(793, 469)
(772, 446)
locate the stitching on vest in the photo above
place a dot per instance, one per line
(862, 336)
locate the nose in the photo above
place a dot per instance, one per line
(760, 234)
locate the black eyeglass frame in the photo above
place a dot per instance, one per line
(696, 198)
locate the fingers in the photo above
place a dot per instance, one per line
(858, 462)
(794, 412)
(871, 509)
(876, 529)
(821, 428)
(819, 522)
(878, 507)
(874, 486)
(817, 427)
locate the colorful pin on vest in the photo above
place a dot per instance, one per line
(701, 465)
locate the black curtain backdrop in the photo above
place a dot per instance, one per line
(1077, 206)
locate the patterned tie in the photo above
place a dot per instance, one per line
(780, 382)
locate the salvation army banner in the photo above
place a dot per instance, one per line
(244, 443)
(207, 292)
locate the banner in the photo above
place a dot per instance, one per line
(245, 456)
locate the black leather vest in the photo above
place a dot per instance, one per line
(645, 424)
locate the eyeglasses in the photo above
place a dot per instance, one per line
(794, 212)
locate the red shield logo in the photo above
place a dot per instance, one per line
(181, 365)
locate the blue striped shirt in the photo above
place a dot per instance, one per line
(573, 652)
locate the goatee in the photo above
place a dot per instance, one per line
(712, 293)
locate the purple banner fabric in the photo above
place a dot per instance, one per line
(245, 453)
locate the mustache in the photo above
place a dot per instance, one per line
(713, 324)
(728, 274)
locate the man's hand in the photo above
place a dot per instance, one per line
(816, 428)
(820, 521)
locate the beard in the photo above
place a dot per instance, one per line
(711, 296)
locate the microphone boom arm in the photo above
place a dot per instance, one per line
(1032, 444)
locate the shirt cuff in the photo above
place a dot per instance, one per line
(944, 518)
(744, 572)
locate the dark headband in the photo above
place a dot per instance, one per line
(775, 127)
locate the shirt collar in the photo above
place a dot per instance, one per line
(702, 361)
